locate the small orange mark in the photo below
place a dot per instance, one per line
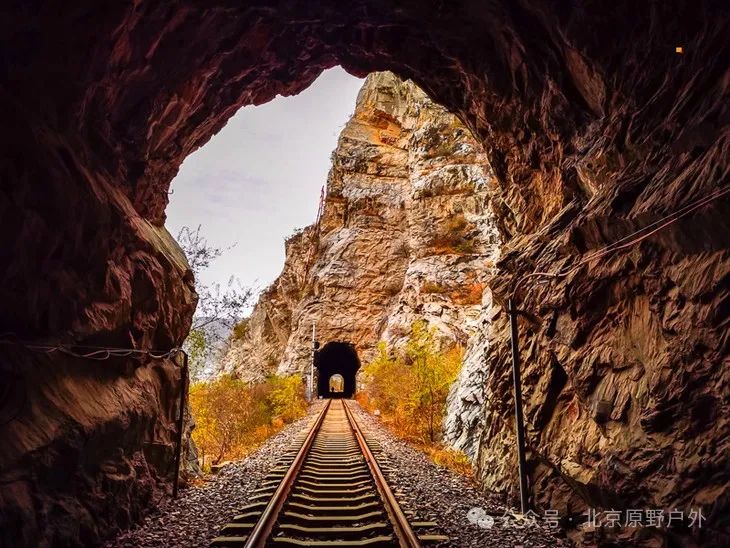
(679, 49)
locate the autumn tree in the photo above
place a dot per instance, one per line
(286, 397)
(433, 373)
(224, 412)
(234, 416)
(410, 386)
(388, 380)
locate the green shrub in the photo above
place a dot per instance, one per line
(241, 329)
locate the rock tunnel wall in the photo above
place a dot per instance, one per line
(594, 127)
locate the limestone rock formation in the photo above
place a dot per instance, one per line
(594, 124)
(464, 421)
(406, 233)
(258, 352)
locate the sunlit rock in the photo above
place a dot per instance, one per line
(406, 234)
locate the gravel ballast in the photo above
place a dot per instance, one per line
(469, 517)
(463, 513)
(198, 514)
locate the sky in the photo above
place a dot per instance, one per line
(260, 177)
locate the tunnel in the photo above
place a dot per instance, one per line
(337, 359)
(589, 142)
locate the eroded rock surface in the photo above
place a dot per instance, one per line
(594, 127)
(406, 233)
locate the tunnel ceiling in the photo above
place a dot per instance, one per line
(565, 114)
(594, 127)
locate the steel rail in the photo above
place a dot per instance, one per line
(265, 524)
(407, 538)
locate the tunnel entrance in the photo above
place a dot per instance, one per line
(337, 364)
(337, 384)
(572, 125)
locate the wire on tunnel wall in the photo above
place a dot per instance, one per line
(100, 353)
(630, 239)
(513, 312)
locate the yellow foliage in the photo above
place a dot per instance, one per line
(233, 417)
(286, 398)
(448, 458)
(410, 388)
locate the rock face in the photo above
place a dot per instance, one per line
(594, 127)
(269, 327)
(406, 232)
(464, 421)
(89, 444)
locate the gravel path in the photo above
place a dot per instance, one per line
(462, 512)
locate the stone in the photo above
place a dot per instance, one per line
(593, 125)
(406, 234)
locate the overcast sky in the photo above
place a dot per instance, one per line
(259, 179)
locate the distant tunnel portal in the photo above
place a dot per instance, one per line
(337, 359)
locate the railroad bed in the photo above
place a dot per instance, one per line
(329, 490)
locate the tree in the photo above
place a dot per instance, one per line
(286, 399)
(389, 380)
(197, 345)
(223, 413)
(433, 373)
(233, 416)
(216, 305)
(410, 386)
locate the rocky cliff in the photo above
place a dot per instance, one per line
(598, 119)
(411, 227)
(406, 232)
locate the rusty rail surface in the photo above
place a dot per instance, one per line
(266, 522)
(404, 532)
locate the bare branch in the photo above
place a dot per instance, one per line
(217, 305)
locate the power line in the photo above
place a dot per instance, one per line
(633, 238)
(659, 224)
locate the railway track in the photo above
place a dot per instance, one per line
(328, 491)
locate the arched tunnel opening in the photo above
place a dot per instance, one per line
(337, 365)
(337, 383)
(589, 142)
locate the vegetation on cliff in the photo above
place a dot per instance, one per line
(409, 387)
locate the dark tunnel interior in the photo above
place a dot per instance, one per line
(337, 358)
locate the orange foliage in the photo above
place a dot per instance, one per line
(409, 389)
(233, 417)
(471, 294)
